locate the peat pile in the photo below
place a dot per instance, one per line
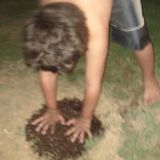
(58, 146)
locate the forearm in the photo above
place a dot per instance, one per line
(91, 98)
(95, 66)
(48, 83)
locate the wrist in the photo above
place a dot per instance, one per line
(51, 108)
(51, 104)
(87, 112)
(86, 116)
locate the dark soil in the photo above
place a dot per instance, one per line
(58, 146)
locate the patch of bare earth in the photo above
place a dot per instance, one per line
(20, 96)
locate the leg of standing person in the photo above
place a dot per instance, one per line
(145, 58)
(129, 30)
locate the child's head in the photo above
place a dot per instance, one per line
(55, 37)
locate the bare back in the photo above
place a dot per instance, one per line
(95, 10)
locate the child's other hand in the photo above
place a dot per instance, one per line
(80, 127)
(47, 120)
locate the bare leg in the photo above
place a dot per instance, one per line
(145, 59)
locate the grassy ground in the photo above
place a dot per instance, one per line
(132, 130)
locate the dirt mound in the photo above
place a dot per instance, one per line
(58, 146)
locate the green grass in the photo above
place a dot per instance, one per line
(15, 10)
(142, 144)
(89, 144)
(12, 17)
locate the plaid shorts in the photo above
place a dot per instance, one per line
(128, 26)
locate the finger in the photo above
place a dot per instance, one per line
(70, 131)
(157, 98)
(75, 136)
(40, 126)
(37, 120)
(52, 129)
(154, 100)
(146, 101)
(70, 122)
(44, 130)
(81, 137)
(89, 134)
(62, 120)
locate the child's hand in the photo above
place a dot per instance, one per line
(79, 127)
(47, 120)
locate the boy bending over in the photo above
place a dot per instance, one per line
(63, 30)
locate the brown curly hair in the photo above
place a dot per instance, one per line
(55, 37)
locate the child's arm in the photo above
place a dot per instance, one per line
(95, 66)
(93, 82)
(48, 82)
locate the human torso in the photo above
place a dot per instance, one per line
(97, 13)
(94, 10)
